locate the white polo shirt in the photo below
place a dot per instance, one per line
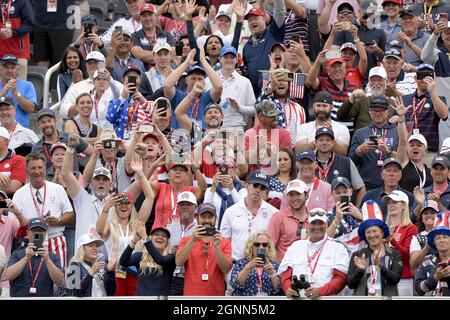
(333, 256)
(308, 131)
(54, 200)
(87, 209)
(238, 223)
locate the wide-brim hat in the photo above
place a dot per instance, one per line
(435, 232)
(372, 223)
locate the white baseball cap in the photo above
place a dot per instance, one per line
(224, 14)
(89, 238)
(187, 196)
(419, 137)
(161, 46)
(4, 133)
(378, 71)
(95, 55)
(317, 214)
(296, 185)
(397, 195)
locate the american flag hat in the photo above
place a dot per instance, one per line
(296, 185)
(186, 196)
(372, 217)
(441, 227)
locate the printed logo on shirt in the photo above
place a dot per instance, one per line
(427, 106)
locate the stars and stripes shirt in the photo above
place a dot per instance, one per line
(292, 114)
(126, 115)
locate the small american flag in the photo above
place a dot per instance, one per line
(265, 78)
(297, 87)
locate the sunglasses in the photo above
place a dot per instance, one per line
(317, 213)
(299, 229)
(260, 244)
(259, 186)
(345, 12)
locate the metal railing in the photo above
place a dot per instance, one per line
(47, 78)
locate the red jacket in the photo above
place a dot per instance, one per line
(21, 17)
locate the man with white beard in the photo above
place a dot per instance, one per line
(357, 106)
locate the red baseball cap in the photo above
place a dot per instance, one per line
(255, 12)
(147, 7)
(333, 61)
(399, 2)
(162, 228)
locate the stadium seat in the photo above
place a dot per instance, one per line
(120, 10)
(99, 8)
(36, 75)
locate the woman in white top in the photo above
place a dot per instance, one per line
(115, 226)
(104, 91)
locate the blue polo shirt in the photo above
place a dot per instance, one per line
(27, 91)
(197, 109)
(367, 164)
(427, 118)
(256, 53)
(20, 287)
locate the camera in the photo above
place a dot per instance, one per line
(210, 231)
(223, 169)
(109, 144)
(261, 253)
(301, 284)
(123, 198)
(146, 128)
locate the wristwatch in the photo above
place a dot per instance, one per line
(18, 94)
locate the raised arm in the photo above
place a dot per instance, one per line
(146, 208)
(217, 86)
(313, 76)
(182, 108)
(72, 186)
(279, 12)
(171, 81)
(92, 163)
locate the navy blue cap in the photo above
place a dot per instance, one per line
(324, 130)
(379, 101)
(393, 44)
(410, 12)
(394, 53)
(306, 154)
(37, 223)
(340, 180)
(132, 68)
(89, 19)
(6, 100)
(259, 177)
(388, 161)
(324, 97)
(443, 161)
(206, 207)
(196, 69)
(228, 49)
(9, 58)
(425, 66)
(46, 112)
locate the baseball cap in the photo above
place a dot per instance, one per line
(128, 196)
(206, 207)
(147, 7)
(108, 134)
(348, 45)
(46, 112)
(4, 133)
(388, 161)
(132, 68)
(394, 43)
(391, 1)
(37, 223)
(345, 5)
(340, 180)
(281, 45)
(56, 146)
(425, 66)
(175, 164)
(161, 46)
(186, 196)
(378, 71)
(296, 185)
(267, 108)
(196, 69)
(334, 60)
(324, 130)
(317, 214)
(394, 53)
(6, 100)
(161, 228)
(8, 58)
(419, 137)
(127, 33)
(228, 49)
(306, 154)
(430, 204)
(223, 13)
(102, 171)
(89, 238)
(324, 97)
(397, 195)
(442, 161)
(410, 12)
(379, 101)
(213, 105)
(255, 12)
(259, 177)
(95, 55)
(89, 19)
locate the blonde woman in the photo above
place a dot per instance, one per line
(117, 231)
(256, 273)
(87, 275)
(402, 231)
(154, 262)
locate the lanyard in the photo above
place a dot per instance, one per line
(207, 256)
(158, 77)
(422, 177)
(5, 12)
(195, 106)
(315, 185)
(317, 253)
(259, 272)
(417, 109)
(127, 231)
(373, 274)
(43, 202)
(47, 155)
(150, 40)
(250, 216)
(85, 50)
(383, 136)
(95, 101)
(81, 126)
(189, 227)
(125, 63)
(33, 279)
(173, 205)
(323, 173)
(425, 8)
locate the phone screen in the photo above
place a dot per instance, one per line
(162, 105)
(345, 200)
(3, 204)
(87, 30)
(38, 240)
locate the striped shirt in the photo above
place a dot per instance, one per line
(427, 118)
(339, 97)
(296, 27)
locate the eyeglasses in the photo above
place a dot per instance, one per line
(345, 12)
(317, 213)
(259, 186)
(377, 110)
(260, 244)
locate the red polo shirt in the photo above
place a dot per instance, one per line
(13, 166)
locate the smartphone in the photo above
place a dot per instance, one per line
(119, 29)
(146, 128)
(210, 231)
(443, 17)
(261, 253)
(3, 204)
(162, 105)
(223, 169)
(333, 54)
(109, 144)
(423, 74)
(179, 48)
(442, 264)
(295, 38)
(345, 200)
(373, 139)
(368, 44)
(132, 80)
(38, 239)
(87, 30)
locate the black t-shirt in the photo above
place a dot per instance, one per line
(410, 177)
(57, 20)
